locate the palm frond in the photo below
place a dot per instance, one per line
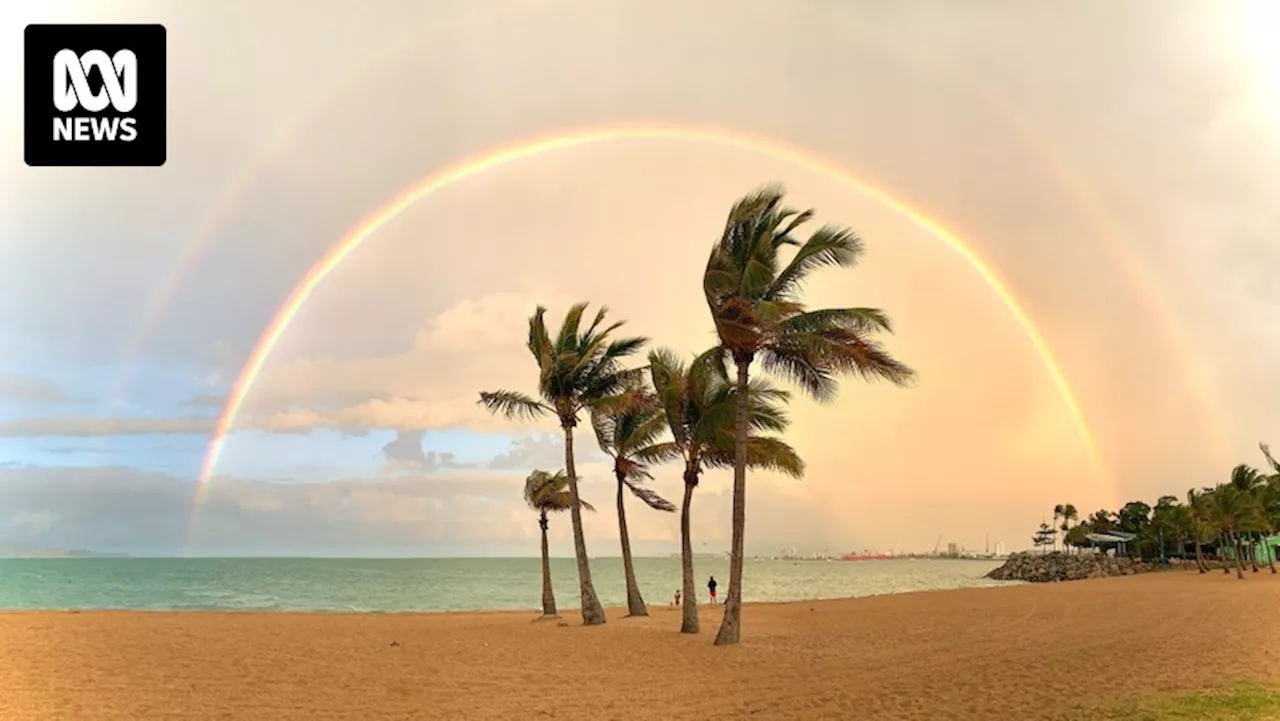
(1266, 452)
(512, 405)
(858, 320)
(658, 453)
(829, 246)
(764, 453)
(649, 496)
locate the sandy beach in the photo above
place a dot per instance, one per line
(1006, 653)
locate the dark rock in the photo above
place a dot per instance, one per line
(1057, 566)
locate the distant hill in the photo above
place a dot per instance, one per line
(13, 549)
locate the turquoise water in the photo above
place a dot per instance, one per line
(302, 584)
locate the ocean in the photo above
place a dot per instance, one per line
(459, 584)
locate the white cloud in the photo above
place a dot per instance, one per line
(34, 522)
(29, 389)
(82, 426)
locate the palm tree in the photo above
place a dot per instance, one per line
(1198, 525)
(1271, 461)
(1067, 513)
(1057, 513)
(754, 301)
(1228, 508)
(576, 370)
(1249, 482)
(548, 493)
(1269, 515)
(1270, 494)
(627, 428)
(698, 403)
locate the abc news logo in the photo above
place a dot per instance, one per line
(107, 105)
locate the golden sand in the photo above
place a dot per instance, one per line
(991, 654)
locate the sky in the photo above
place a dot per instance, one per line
(1113, 165)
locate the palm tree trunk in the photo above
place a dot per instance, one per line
(635, 604)
(1224, 540)
(1200, 564)
(688, 596)
(1235, 539)
(1253, 552)
(592, 612)
(730, 627)
(548, 596)
(1271, 556)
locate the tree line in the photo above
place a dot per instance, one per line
(1229, 522)
(703, 411)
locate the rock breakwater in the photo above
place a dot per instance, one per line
(1057, 566)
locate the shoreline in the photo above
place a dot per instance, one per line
(1007, 653)
(568, 611)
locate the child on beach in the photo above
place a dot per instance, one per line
(676, 602)
(711, 586)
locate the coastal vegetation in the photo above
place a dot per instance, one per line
(577, 371)
(627, 429)
(699, 405)
(548, 493)
(1231, 524)
(752, 285)
(1241, 702)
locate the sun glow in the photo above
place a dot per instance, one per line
(1257, 38)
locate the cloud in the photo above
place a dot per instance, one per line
(205, 400)
(545, 452)
(78, 450)
(34, 522)
(29, 389)
(434, 384)
(120, 509)
(82, 426)
(404, 453)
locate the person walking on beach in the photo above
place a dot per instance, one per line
(677, 601)
(711, 586)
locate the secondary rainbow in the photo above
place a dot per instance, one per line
(528, 148)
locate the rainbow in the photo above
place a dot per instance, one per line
(491, 159)
(1086, 199)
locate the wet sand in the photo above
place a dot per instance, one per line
(991, 654)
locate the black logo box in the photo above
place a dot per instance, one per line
(42, 42)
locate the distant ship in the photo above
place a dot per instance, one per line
(867, 557)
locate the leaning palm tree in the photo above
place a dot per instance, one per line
(548, 493)
(576, 370)
(627, 429)
(699, 403)
(1271, 461)
(754, 300)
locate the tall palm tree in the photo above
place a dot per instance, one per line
(754, 301)
(576, 370)
(699, 403)
(627, 429)
(548, 493)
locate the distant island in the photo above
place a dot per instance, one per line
(13, 549)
